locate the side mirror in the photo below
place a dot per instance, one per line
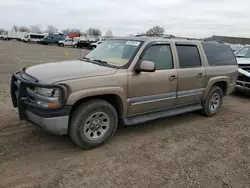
(146, 66)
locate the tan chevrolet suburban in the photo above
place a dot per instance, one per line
(124, 81)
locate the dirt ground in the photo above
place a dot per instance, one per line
(183, 151)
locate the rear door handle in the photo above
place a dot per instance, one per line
(173, 77)
(199, 75)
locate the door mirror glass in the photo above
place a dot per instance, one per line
(146, 66)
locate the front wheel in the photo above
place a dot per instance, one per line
(93, 123)
(213, 102)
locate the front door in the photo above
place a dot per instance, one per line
(191, 74)
(152, 91)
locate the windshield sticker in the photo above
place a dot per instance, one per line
(134, 43)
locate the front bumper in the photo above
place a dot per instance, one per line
(54, 120)
(242, 86)
(54, 125)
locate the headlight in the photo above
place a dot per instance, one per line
(54, 92)
(48, 97)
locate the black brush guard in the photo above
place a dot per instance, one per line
(19, 82)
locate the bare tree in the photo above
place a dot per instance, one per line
(156, 30)
(93, 32)
(109, 34)
(51, 29)
(68, 31)
(36, 29)
(15, 28)
(24, 29)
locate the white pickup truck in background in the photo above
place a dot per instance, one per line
(68, 42)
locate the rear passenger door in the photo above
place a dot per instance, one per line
(191, 74)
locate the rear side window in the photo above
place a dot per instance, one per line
(218, 54)
(189, 56)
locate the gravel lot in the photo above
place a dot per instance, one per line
(183, 151)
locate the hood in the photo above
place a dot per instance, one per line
(244, 72)
(242, 61)
(55, 72)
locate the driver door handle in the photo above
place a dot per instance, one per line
(199, 75)
(172, 78)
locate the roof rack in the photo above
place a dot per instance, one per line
(174, 37)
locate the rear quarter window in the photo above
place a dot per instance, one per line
(219, 54)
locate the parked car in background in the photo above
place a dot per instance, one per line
(243, 59)
(95, 44)
(68, 42)
(52, 39)
(33, 37)
(236, 47)
(124, 81)
(83, 44)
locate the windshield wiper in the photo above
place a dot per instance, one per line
(85, 58)
(104, 63)
(98, 62)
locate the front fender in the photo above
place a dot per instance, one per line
(93, 92)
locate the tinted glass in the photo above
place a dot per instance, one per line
(188, 56)
(161, 55)
(218, 54)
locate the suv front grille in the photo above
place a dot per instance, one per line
(245, 67)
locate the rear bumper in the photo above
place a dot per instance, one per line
(55, 125)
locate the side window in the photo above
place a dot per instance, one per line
(218, 54)
(161, 55)
(189, 56)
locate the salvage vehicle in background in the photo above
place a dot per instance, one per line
(3, 37)
(124, 81)
(243, 59)
(33, 37)
(95, 44)
(52, 39)
(68, 42)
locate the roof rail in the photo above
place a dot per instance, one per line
(155, 35)
(174, 37)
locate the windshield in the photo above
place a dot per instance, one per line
(244, 52)
(115, 52)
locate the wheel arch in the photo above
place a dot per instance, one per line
(114, 96)
(222, 82)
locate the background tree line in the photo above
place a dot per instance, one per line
(156, 30)
(52, 29)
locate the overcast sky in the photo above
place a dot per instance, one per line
(192, 18)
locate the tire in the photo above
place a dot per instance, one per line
(83, 128)
(61, 44)
(211, 106)
(75, 45)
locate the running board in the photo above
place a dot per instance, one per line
(160, 114)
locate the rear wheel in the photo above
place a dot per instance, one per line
(213, 102)
(93, 123)
(75, 45)
(61, 44)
